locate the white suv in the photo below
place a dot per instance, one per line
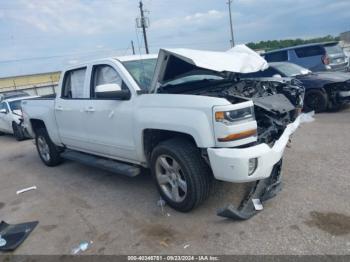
(11, 116)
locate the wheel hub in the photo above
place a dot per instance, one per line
(170, 178)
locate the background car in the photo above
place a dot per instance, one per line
(11, 114)
(323, 90)
(316, 57)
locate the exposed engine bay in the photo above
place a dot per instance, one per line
(276, 102)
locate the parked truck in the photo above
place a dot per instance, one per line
(182, 114)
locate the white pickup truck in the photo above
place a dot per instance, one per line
(184, 114)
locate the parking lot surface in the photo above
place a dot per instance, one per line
(75, 203)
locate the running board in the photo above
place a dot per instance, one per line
(102, 163)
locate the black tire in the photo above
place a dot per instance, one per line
(194, 171)
(315, 100)
(17, 132)
(52, 158)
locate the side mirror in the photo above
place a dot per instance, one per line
(112, 91)
(277, 76)
(3, 111)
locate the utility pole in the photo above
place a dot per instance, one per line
(132, 47)
(143, 25)
(229, 2)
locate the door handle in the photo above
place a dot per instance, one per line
(59, 108)
(90, 109)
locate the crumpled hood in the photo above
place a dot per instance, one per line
(173, 63)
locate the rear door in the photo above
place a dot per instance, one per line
(109, 122)
(310, 57)
(69, 108)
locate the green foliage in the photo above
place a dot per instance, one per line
(277, 44)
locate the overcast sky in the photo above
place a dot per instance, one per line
(46, 35)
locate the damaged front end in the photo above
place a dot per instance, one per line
(260, 192)
(277, 104)
(339, 93)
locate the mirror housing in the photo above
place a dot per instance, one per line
(112, 91)
(3, 111)
(277, 76)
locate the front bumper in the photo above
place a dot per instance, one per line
(262, 191)
(343, 96)
(232, 164)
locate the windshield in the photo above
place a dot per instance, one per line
(15, 105)
(333, 49)
(289, 69)
(193, 78)
(142, 71)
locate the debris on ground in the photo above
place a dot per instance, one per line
(257, 204)
(83, 246)
(11, 236)
(163, 243)
(26, 189)
(307, 117)
(186, 246)
(161, 204)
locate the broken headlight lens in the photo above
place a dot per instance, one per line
(238, 115)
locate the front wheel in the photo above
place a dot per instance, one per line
(315, 100)
(49, 153)
(182, 177)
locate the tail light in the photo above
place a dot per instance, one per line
(325, 60)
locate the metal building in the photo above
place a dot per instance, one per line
(36, 84)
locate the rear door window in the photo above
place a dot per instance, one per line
(279, 56)
(309, 51)
(73, 84)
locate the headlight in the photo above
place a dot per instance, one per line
(234, 116)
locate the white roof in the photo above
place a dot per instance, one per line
(135, 57)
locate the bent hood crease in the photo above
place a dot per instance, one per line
(174, 62)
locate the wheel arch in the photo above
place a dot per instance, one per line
(37, 124)
(152, 137)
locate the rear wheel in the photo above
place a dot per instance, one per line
(17, 131)
(48, 151)
(315, 100)
(182, 177)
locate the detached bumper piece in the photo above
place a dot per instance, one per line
(263, 190)
(11, 236)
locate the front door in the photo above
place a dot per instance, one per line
(108, 122)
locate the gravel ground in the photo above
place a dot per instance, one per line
(75, 203)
